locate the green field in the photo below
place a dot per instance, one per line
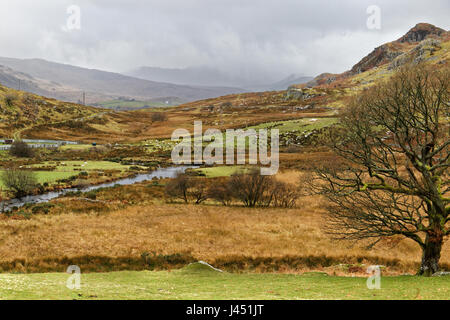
(205, 284)
(220, 171)
(76, 166)
(67, 169)
(48, 176)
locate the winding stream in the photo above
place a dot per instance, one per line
(169, 172)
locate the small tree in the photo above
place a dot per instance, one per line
(187, 188)
(178, 187)
(21, 149)
(19, 182)
(198, 190)
(395, 137)
(221, 191)
(285, 195)
(252, 188)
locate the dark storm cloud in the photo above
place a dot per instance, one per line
(261, 39)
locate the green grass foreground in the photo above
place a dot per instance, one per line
(188, 284)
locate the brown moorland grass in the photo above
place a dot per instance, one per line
(135, 126)
(165, 236)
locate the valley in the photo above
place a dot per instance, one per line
(106, 196)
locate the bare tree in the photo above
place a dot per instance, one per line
(198, 190)
(178, 187)
(285, 195)
(221, 191)
(187, 188)
(19, 182)
(252, 188)
(395, 137)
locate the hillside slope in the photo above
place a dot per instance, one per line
(319, 100)
(21, 110)
(423, 43)
(66, 82)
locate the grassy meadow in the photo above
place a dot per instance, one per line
(209, 285)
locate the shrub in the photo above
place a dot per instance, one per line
(19, 182)
(21, 149)
(177, 187)
(42, 208)
(159, 117)
(91, 195)
(10, 98)
(221, 191)
(252, 188)
(187, 188)
(285, 195)
(80, 183)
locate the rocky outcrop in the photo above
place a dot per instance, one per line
(420, 32)
(381, 55)
(322, 79)
(422, 52)
(294, 93)
(394, 52)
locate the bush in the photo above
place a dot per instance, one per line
(42, 208)
(221, 191)
(19, 182)
(187, 188)
(21, 149)
(285, 195)
(252, 188)
(177, 187)
(81, 183)
(10, 98)
(159, 117)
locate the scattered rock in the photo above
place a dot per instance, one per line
(441, 273)
(200, 267)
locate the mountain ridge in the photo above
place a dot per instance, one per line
(65, 82)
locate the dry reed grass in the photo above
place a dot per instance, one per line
(235, 238)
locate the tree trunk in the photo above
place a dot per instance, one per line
(431, 253)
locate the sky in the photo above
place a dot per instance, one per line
(255, 39)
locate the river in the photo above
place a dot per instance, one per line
(169, 172)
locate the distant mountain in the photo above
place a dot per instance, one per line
(197, 76)
(66, 82)
(285, 83)
(201, 76)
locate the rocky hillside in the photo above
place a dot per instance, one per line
(423, 43)
(390, 51)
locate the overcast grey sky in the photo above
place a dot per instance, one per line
(259, 38)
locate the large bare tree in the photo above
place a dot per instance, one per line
(395, 138)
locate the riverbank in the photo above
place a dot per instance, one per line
(16, 203)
